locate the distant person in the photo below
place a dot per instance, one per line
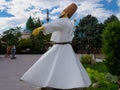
(8, 51)
(88, 49)
(13, 52)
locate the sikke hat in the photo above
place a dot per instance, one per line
(70, 10)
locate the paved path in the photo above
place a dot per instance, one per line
(12, 69)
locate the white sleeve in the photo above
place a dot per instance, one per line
(53, 26)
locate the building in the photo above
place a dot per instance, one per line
(25, 34)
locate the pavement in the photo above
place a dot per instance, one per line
(11, 71)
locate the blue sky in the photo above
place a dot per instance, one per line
(16, 12)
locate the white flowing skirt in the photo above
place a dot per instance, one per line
(58, 68)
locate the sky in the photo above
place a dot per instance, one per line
(16, 12)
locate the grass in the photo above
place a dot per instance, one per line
(99, 66)
(98, 72)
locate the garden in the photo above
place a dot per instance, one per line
(99, 75)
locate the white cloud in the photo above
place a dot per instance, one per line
(109, 1)
(118, 3)
(56, 10)
(3, 5)
(118, 15)
(22, 9)
(93, 8)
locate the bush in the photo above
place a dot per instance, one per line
(111, 47)
(104, 81)
(87, 59)
(100, 76)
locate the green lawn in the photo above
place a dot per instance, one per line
(99, 66)
(98, 73)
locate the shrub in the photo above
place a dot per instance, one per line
(87, 59)
(111, 47)
(98, 77)
(104, 81)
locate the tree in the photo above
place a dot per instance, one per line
(110, 19)
(111, 47)
(25, 43)
(12, 35)
(37, 22)
(30, 24)
(88, 33)
(40, 42)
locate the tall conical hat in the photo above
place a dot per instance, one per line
(70, 10)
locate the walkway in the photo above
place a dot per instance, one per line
(12, 69)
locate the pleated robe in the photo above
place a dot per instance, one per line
(59, 67)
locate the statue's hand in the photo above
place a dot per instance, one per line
(37, 30)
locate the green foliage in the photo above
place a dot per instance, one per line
(99, 66)
(2, 49)
(110, 19)
(37, 23)
(25, 43)
(111, 47)
(40, 43)
(99, 74)
(110, 87)
(30, 24)
(111, 78)
(15, 31)
(12, 35)
(88, 32)
(87, 59)
(33, 23)
(98, 77)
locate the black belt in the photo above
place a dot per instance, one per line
(62, 43)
